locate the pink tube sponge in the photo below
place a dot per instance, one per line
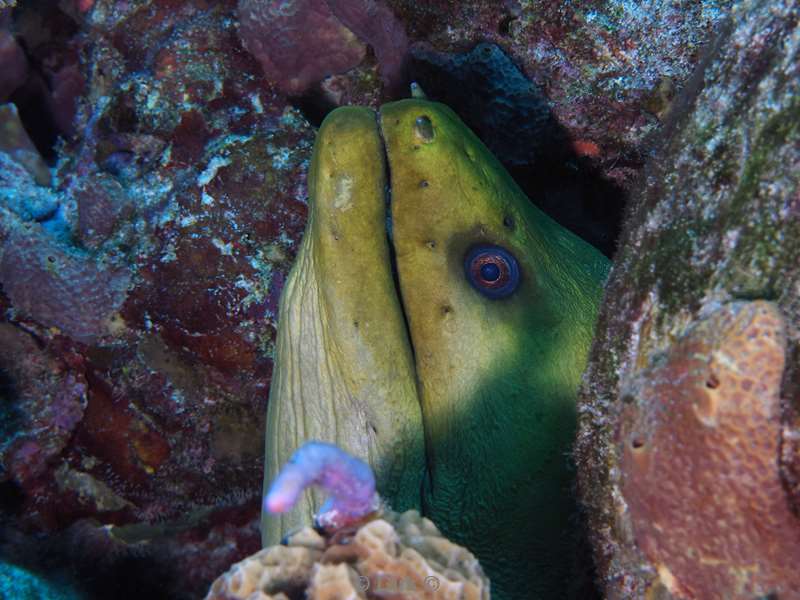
(349, 481)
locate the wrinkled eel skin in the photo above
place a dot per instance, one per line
(435, 324)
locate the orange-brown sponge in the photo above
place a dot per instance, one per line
(700, 460)
(396, 556)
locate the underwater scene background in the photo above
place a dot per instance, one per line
(160, 164)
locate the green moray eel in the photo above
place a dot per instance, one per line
(436, 324)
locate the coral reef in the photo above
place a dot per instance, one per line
(139, 290)
(376, 24)
(46, 80)
(716, 223)
(169, 191)
(609, 71)
(392, 555)
(49, 401)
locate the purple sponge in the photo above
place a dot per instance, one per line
(349, 481)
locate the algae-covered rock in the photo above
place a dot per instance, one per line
(669, 396)
(21, 584)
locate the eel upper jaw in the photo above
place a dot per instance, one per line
(390, 236)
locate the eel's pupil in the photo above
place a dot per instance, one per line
(490, 271)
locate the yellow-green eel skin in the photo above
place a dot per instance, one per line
(464, 405)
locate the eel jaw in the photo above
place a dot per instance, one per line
(390, 241)
(342, 350)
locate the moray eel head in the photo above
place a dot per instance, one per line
(436, 324)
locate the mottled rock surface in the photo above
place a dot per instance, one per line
(301, 42)
(138, 295)
(608, 69)
(716, 224)
(298, 43)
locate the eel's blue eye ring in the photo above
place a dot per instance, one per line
(492, 270)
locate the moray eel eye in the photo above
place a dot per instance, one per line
(492, 270)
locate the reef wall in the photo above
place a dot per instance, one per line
(688, 445)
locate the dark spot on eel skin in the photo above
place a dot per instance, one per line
(423, 183)
(431, 244)
(355, 324)
(446, 309)
(508, 221)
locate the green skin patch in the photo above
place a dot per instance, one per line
(463, 405)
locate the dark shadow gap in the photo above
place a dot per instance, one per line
(314, 105)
